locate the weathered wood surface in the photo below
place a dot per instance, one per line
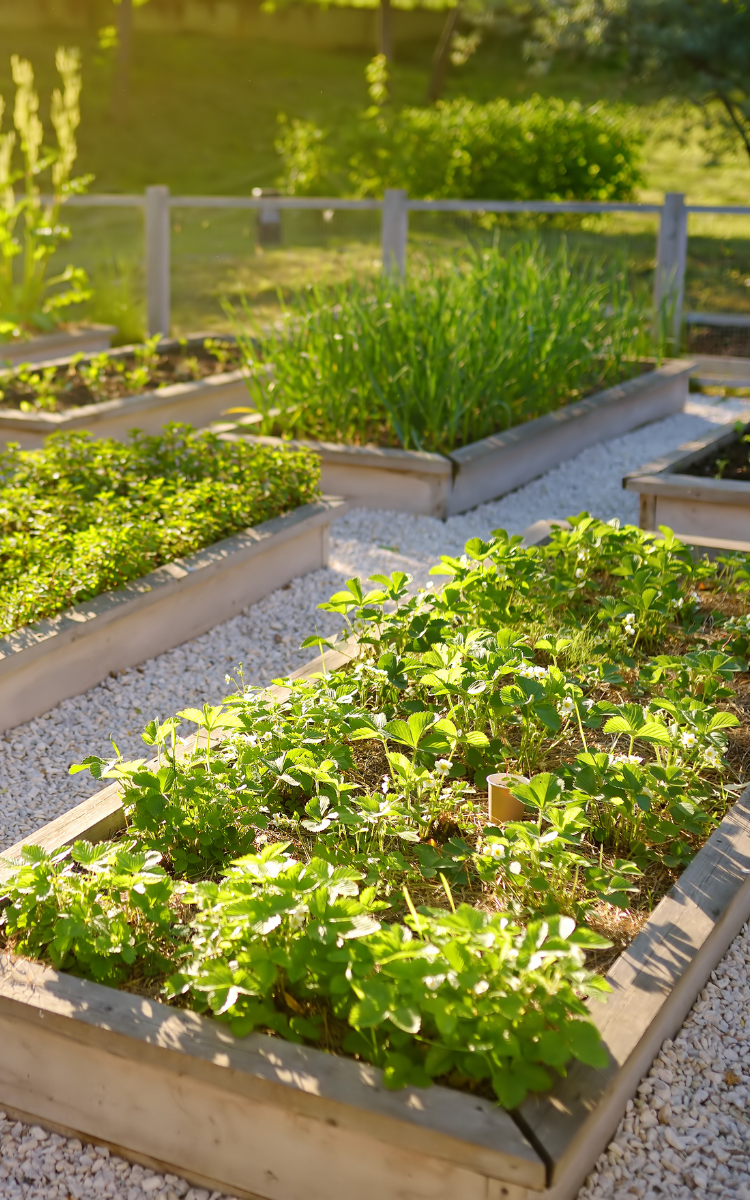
(196, 403)
(380, 477)
(442, 485)
(704, 512)
(87, 340)
(694, 518)
(44, 663)
(654, 985)
(495, 465)
(717, 370)
(148, 1053)
(692, 487)
(715, 545)
(689, 452)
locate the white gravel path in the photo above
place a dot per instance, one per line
(34, 758)
(688, 1131)
(707, 1135)
(38, 1165)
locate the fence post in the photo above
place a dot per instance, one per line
(671, 261)
(394, 231)
(157, 260)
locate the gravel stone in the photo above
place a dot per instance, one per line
(705, 1146)
(688, 1130)
(35, 785)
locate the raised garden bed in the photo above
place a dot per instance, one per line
(88, 339)
(464, 381)
(191, 379)
(721, 371)
(440, 485)
(700, 490)
(85, 521)
(250, 1113)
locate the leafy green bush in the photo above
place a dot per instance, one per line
(81, 516)
(454, 354)
(329, 872)
(541, 149)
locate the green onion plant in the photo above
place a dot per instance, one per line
(457, 352)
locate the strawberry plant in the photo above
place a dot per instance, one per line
(323, 866)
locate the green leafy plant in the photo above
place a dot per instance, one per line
(320, 864)
(93, 379)
(30, 228)
(450, 356)
(543, 148)
(82, 516)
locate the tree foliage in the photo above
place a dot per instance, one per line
(696, 48)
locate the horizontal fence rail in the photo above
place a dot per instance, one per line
(530, 206)
(671, 242)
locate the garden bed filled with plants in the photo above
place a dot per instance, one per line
(321, 865)
(453, 355)
(702, 490)
(84, 516)
(728, 461)
(93, 379)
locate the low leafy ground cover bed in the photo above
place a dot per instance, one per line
(453, 355)
(83, 516)
(729, 461)
(325, 868)
(93, 379)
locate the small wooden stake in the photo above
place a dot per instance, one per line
(502, 805)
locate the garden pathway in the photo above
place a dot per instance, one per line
(688, 1133)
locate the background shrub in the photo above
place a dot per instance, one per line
(541, 149)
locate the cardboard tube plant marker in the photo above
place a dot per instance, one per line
(502, 805)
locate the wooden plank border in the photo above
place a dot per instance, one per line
(44, 663)
(442, 485)
(149, 1077)
(489, 468)
(655, 983)
(87, 339)
(197, 403)
(696, 508)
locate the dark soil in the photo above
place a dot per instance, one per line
(729, 462)
(110, 376)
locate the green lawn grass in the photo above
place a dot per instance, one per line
(202, 119)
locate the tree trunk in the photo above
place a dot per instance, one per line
(385, 30)
(121, 89)
(441, 57)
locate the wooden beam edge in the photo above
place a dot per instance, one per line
(688, 452)
(101, 815)
(571, 1125)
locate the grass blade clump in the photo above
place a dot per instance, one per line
(82, 516)
(454, 354)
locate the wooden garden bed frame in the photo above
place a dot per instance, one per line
(440, 485)
(196, 403)
(717, 510)
(88, 339)
(62, 656)
(260, 1117)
